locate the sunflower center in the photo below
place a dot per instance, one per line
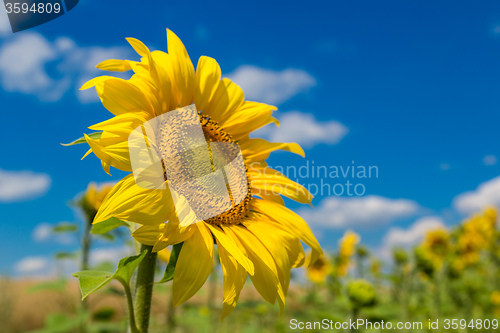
(214, 133)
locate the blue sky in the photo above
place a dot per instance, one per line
(409, 87)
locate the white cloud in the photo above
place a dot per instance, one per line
(399, 237)
(31, 64)
(22, 185)
(268, 86)
(341, 212)
(486, 194)
(32, 265)
(43, 233)
(109, 254)
(490, 160)
(46, 266)
(304, 129)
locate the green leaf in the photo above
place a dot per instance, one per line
(108, 237)
(65, 227)
(91, 281)
(172, 262)
(95, 135)
(127, 266)
(65, 255)
(108, 225)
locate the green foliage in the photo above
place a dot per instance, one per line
(172, 262)
(361, 293)
(108, 225)
(95, 135)
(400, 255)
(65, 255)
(91, 281)
(62, 323)
(65, 227)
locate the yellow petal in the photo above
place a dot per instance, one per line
(269, 180)
(175, 234)
(132, 203)
(96, 81)
(87, 153)
(121, 125)
(148, 234)
(249, 117)
(116, 155)
(114, 65)
(268, 195)
(120, 96)
(292, 223)
(234, 278)
(194, 264)
(231, 247)
(181, 71)
(265, 279)
(227, 99)
(259, 149)
(106, 167)
(138, 46)
(208, 76)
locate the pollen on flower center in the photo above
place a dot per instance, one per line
(214, 133)
(189, 159)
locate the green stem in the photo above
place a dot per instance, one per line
(144, 288)
(170, 312)
(86, 240)
(130, 305)
(84, 265)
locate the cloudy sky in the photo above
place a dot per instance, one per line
(406, 88)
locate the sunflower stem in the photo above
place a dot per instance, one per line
(128, 293)
(144, 288)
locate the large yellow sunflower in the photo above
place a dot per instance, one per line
(259, 237)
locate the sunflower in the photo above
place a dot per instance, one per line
(94, 196)
(318, 271)
(347, 247)
(437, 245)
(258, 237)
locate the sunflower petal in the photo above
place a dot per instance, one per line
(114, 65)
(234, 278)
(292, 222)
(265, 279)
(249, 117)
(132, 203)
(257, 149)
(121, 96)
(182, 70)
(138, 47)
(228, 97)
(148, 234)
(231, 248)
(269, 180)
(194, 265)
(207, 78)
(96, 81)
(115, 155)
